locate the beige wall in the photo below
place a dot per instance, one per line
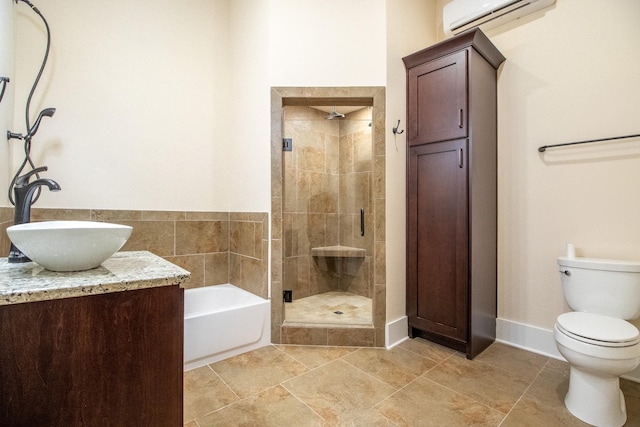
(6, 106)
(572, 73)
(410, 27)
(141, 91)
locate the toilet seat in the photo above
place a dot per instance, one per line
(599, 330)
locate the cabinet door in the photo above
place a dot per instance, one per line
(437, 104)
(437, 239)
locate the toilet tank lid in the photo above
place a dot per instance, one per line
(600, 264)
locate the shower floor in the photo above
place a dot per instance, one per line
(321, 309)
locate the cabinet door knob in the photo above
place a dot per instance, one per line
(460, 158)
(460, 118)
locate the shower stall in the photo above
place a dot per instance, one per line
(328, 245)
(328, 217)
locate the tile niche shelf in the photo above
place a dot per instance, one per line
(339, 260)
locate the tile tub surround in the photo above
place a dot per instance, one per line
(417, 383)
(124, 271)
(308, 96)
(216, 247)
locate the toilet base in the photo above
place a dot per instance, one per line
(596, 399)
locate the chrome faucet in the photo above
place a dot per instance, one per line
(23, 191)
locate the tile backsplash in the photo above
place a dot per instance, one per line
(216, 247)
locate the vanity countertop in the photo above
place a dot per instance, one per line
(124, 271)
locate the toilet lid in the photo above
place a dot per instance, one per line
(598, 329)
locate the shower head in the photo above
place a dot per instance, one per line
(334, 115)
(47, 112)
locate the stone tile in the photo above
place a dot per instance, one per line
(496, 388)
(247, 216)
(312, 356)
(193, 264)
(355, 336)
(631, 392)
(272, 407)
(337, 400)
(425, 403)
(193, 237)
(342, 308)
(379, 305)
(50, 214)
(163, 215)
(317, 231)
(241, 238)
(253, 277)
(529, 413)
(396, 367)
(153, 236)
(252, 372)
(551, 385)
(380, 217)
(428, 349)
(204, 392)
(216, 268)
(380, 262)
(207, 216)
(6, 214)
(512, 359)
(303, 335)
(115, 215)
(323, 193)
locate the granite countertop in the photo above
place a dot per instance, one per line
(124, 271)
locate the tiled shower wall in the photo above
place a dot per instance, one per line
(216, 247)
(328, 179)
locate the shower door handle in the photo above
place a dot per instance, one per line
(362, 222)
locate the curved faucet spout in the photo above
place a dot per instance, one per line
(24, 192)
(24, 196)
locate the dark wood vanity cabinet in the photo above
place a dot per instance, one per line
(111, 359)
(452, 192)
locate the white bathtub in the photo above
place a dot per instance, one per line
(222, 321)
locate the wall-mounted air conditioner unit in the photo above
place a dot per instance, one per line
(461, 15)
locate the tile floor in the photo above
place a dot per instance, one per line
(417, 383)
(321, 309)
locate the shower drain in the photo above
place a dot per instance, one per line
(338, 312)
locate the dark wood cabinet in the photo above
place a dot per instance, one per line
(437, 97)
(452, 192)
(112, 359)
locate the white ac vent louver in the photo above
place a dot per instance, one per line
(461, 15)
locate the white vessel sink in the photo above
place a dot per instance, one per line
(69, 245)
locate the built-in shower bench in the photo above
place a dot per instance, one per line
(339, 260)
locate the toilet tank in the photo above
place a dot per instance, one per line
(602, 286)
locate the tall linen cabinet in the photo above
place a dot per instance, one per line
(452, 192)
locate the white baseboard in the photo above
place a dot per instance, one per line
(396, 331)
(527, 337)
(537, 340)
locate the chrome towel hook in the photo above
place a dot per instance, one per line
(395, 129)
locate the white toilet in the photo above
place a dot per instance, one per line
(598, 344)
